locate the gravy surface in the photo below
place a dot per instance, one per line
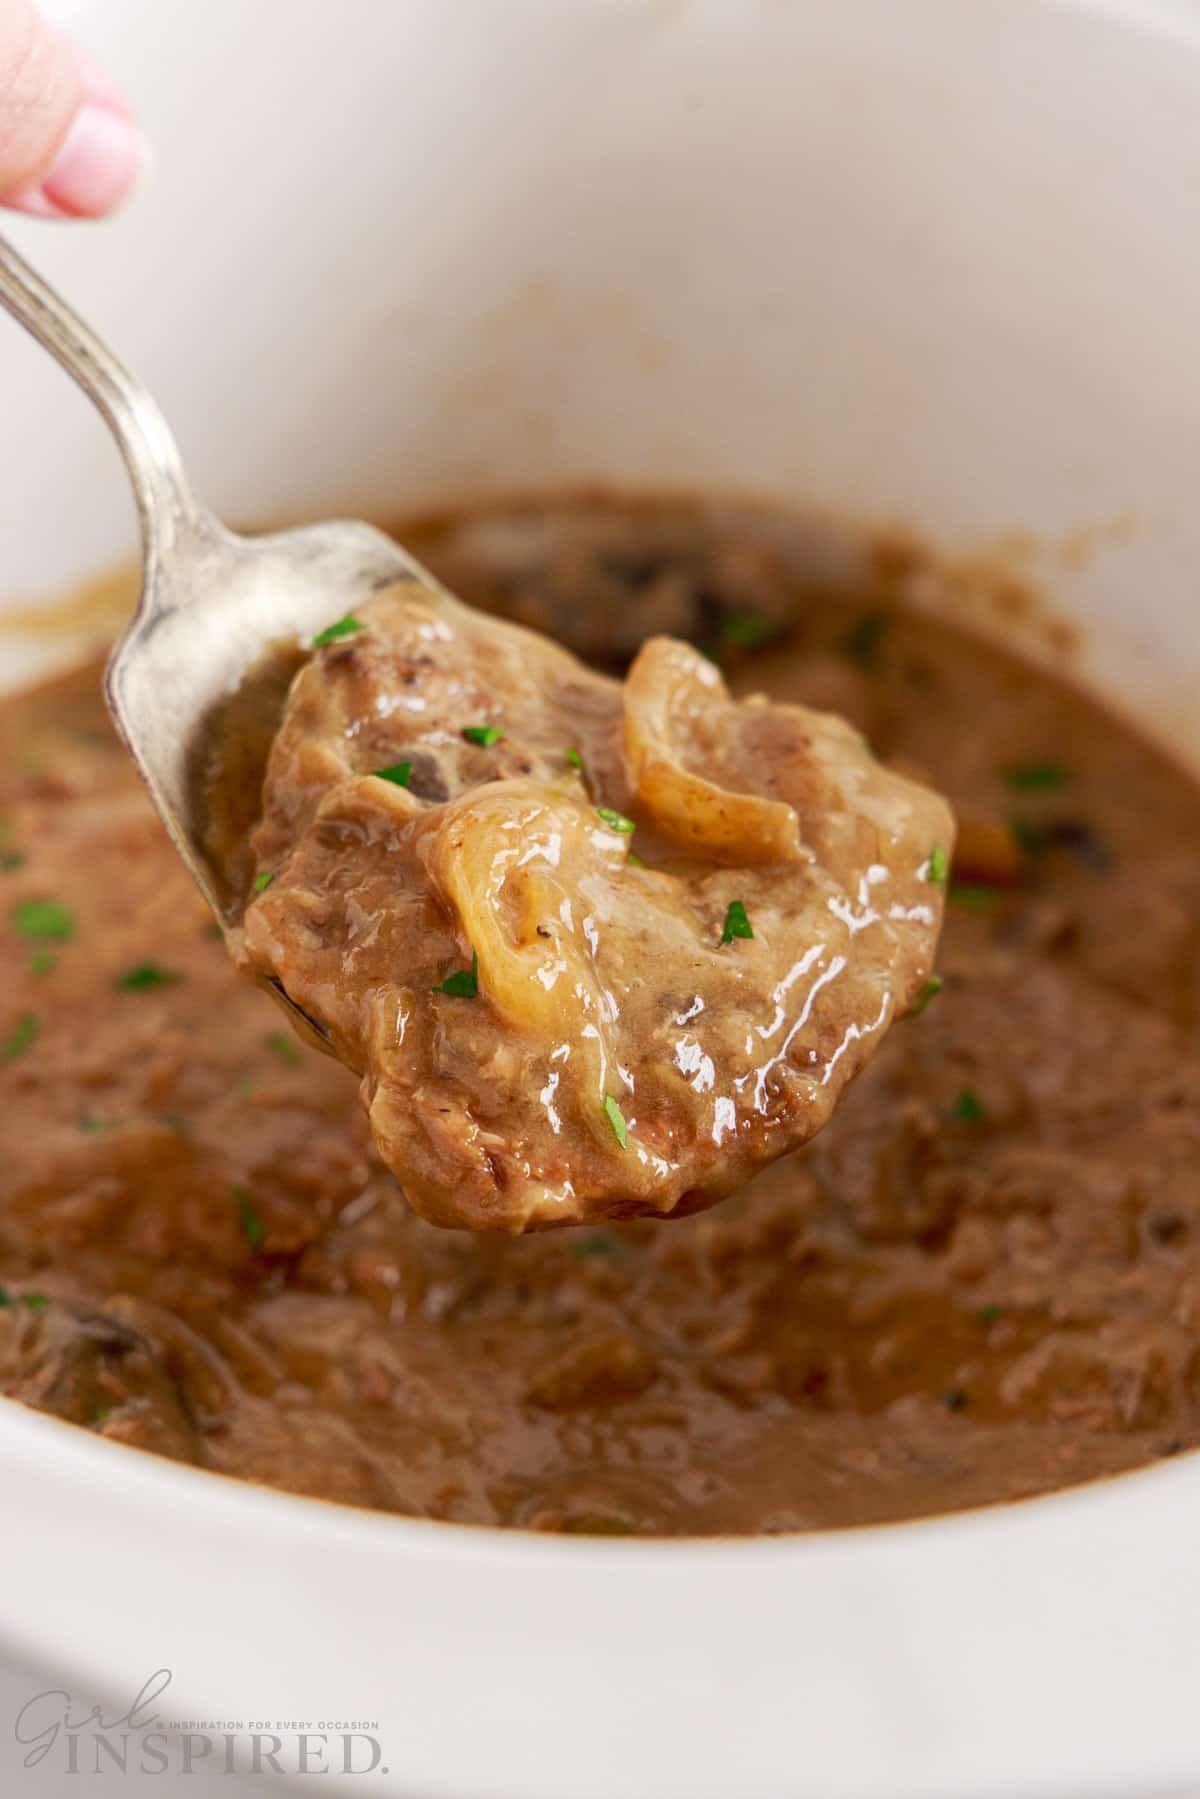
(981, 1281)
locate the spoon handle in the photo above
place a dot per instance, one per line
(166, 506)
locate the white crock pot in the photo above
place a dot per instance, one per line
(928, 260)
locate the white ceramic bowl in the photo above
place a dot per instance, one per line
(936, 261)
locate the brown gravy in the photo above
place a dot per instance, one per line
(981, 1281)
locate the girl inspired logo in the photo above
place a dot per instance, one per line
(54, 1729)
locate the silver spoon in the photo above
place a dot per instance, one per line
(212, 601)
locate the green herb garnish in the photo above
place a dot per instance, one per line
(10, 860)
(988, 1314)
(42, 962)
(93, 1122)
(144, 975)
(1035, 777)
(44, 919)
(736, 923)
(575, 760)
(973, 896)
(398, 773)
(612, 1112)
(616, 821)
(931, 988)
(342, 627)
(591, 1245)
(283, 1044)
(484, 735)
(968, 1108)
(248, 1218)
(748, 630)
(863, 641)
(938, 866)
(262, 881)
(174, 1121)
(36, 1302)
(463, 983)
(23, 1036)
(633, 860)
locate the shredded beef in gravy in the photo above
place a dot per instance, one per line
(554, 1027)
(980, 1281)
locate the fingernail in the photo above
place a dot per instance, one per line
(99, 165)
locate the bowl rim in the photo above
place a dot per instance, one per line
(183, 1485)
(1045, 1647)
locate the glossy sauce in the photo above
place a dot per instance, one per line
(499, 886)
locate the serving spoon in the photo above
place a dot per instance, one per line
(212, 602)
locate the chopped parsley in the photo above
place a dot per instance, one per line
(974, 896)
(591, 1245)
(633, 860)
(968, 1108)
(262, 881)
(175, 1122)
(938, 866)
(341, 627)
(145, 975)
(988, 1314)
(1035, 777)
(930, 990)
(575, 760)
(283, 1044)
(398, 773)
(248, 1218)
(10, 860)
(463, 983)
(864, 640)
(42, 961)
(484, 735)
(36, 1302)
(616, 821)
(748, 630)
(93, 1122)
(43, 919)
(22, 1037)
(736, 923)
(613, 1113)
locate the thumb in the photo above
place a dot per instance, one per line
(68, 145)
